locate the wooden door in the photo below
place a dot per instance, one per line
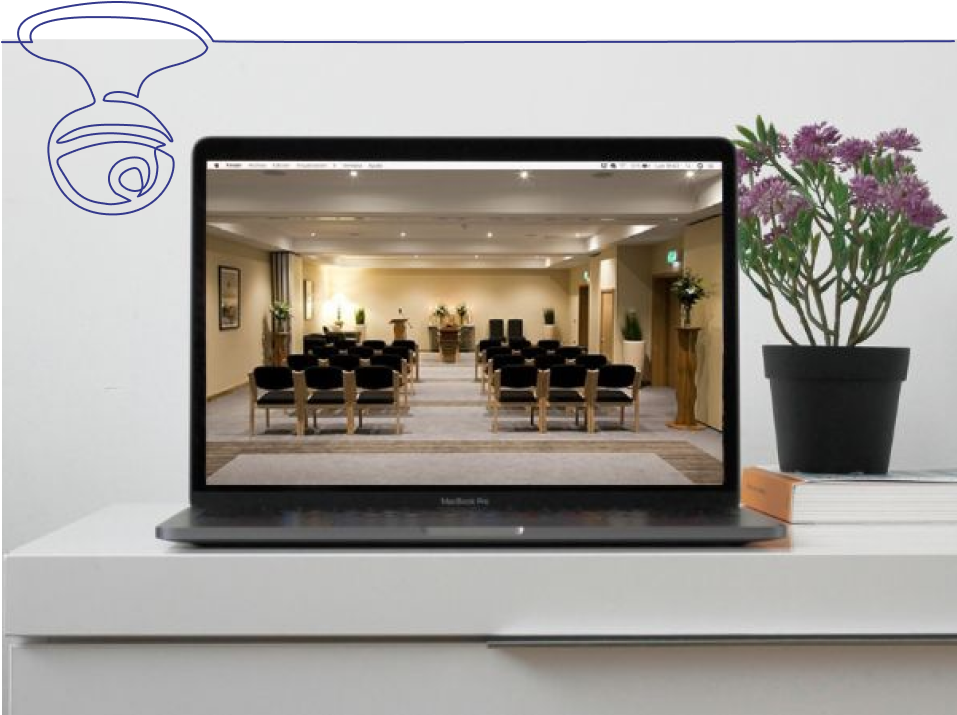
(606, 339)
(583, 315)
(665, 317)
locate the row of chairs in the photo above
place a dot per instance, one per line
(498, 329)
(517, 345)
(407, 349)
(574, 388)
(350, 393)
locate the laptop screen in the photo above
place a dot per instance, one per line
(463, 323)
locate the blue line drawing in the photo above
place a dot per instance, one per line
(113, 135)
(118, 122)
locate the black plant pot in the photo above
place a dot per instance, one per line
(835, 408)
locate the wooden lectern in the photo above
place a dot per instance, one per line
(399, 328)
(687, 391)
(449, 343)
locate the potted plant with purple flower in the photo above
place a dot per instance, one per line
(828, 227)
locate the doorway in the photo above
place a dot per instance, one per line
(665, 317)
(583, 315)
(606, 336)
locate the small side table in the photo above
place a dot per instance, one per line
(449, 343)
(687, 390)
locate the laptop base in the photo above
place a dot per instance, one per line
(310, 527)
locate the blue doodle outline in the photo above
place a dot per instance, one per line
(112, 97)
(158, 149)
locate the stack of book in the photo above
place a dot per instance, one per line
(901, 496)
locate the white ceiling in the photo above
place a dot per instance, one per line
(552, 219)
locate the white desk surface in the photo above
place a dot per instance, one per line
(108, 576)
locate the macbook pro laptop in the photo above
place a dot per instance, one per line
(463, 341)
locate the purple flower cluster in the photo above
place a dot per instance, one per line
(898, 140)
(904, 195)
(772, 201)
(814, 142)
(850, 151)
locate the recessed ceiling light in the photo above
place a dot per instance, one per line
(476, 255)
(523, 175)
(566, 258)
(489, 234)
(673, 219)
(353, 173)
(313, 234)
(403, 234)
(689, 174)
(416, 255)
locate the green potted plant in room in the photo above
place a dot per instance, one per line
(360, 316)
(550, 330)
(828, 227)
(441, 314)
(689, 289)
(632, 342)
(462, 310)
(338, 322)
(281, 312)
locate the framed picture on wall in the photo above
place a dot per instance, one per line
(230, 297)
(307, 299)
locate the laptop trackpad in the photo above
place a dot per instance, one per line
(474, 532)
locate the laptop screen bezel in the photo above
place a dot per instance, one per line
(461, 149)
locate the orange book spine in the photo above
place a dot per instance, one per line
(768, 492)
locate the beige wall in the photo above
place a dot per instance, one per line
(230, 354)
(702, 255)
(634, 289)
(488, 294)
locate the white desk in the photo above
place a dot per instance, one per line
(103, 618)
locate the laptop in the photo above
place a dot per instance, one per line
(463, 341)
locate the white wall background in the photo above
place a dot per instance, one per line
(95, 308)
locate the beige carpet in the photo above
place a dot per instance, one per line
(511, 469)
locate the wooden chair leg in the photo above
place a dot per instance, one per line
(543, 418)
(398, 423)
(621, 419)
(634, 406)
(495, 417)
(267, 418)
(350, 420)
(252, 419)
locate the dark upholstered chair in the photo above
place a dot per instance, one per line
(514, 386)
(377, 387)
(414, 357)
(399, 365)
(532, 353)
(480, 349)
(549, 345)
(496, 329)
(325, 352)
(592, 361)
(345, 362)
(570, 352)
(519, 343)
(299, 363)
(617, 386)
(312, 340)
(516, 328)
(374, 344)
(319, 389)
(548, 361)
(346, 343)
(569, 387)
(361, 352)
(270, 387)
(490, 353)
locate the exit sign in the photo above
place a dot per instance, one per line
(673, 256)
